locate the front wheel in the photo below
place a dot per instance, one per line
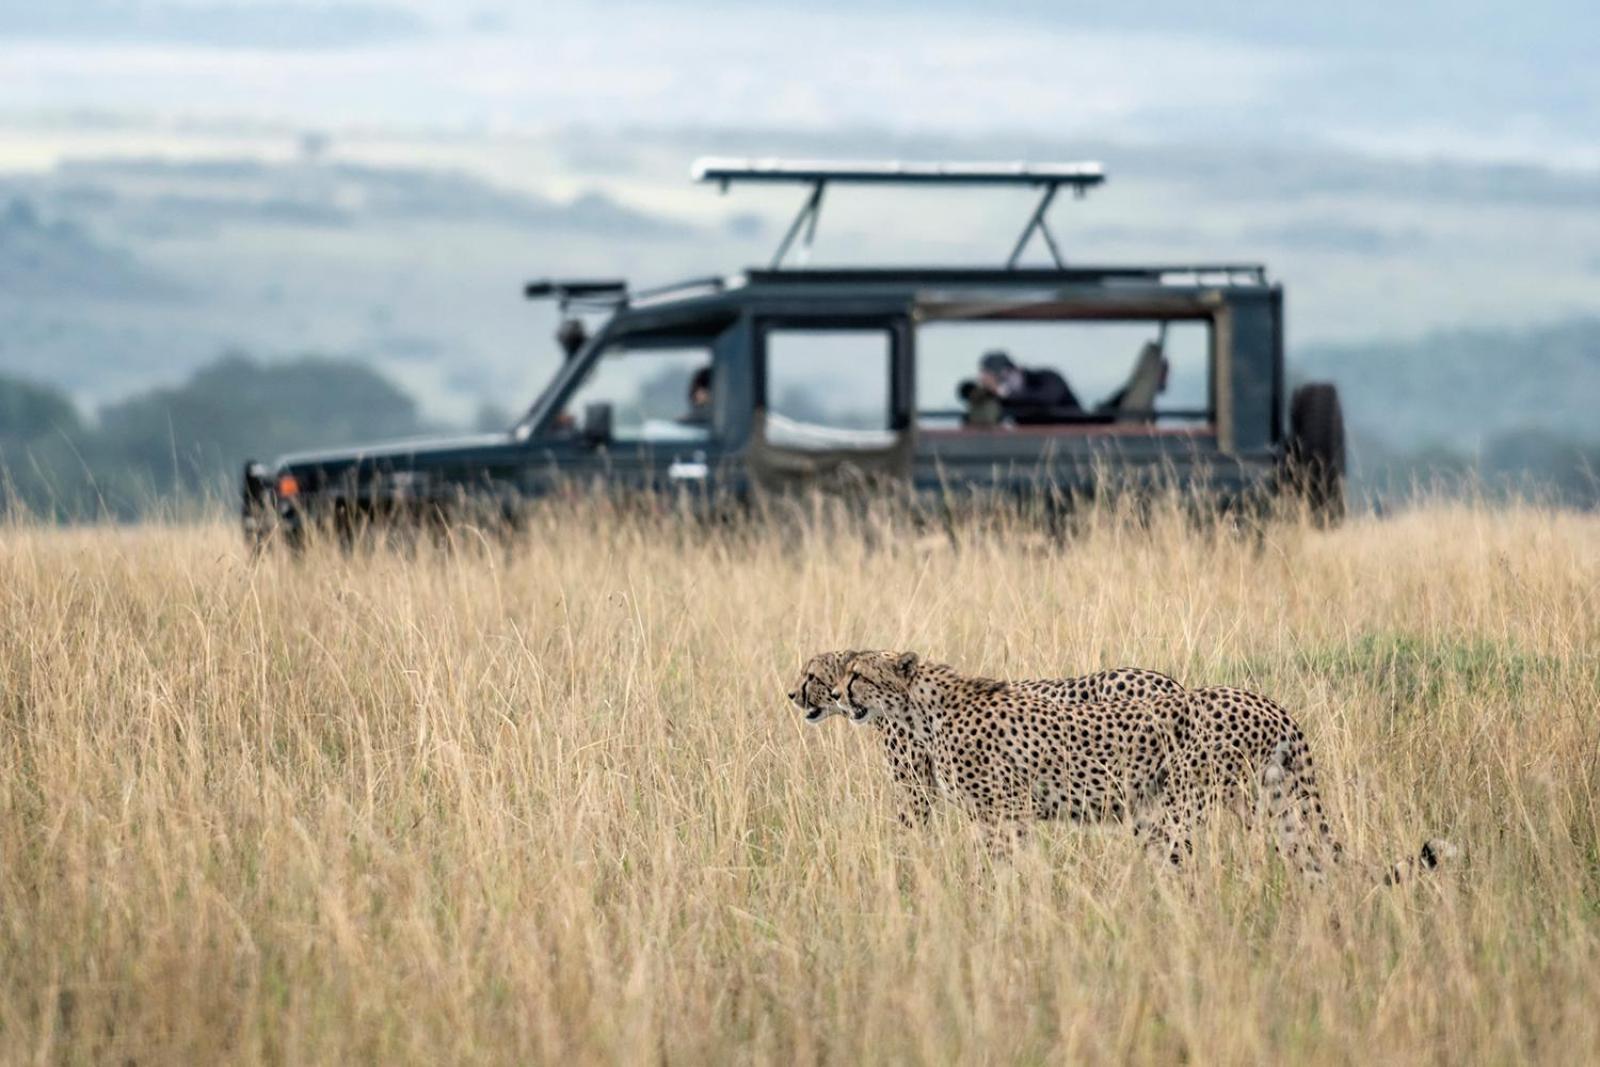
(1315, 459)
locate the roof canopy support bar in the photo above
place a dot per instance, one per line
(811, 226)
(817, 174)
(806, 217)
(1036, 222)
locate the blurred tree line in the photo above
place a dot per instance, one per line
(185, 445)
(1535, 464)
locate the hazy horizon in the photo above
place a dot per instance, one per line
(1426, 80)
(377, 178)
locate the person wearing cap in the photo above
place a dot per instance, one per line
(1026, 395)
(699, 413)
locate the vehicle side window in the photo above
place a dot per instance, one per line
(656, 394)
(1144, 373)
(829, 388)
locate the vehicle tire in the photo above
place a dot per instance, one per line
(1316, 451)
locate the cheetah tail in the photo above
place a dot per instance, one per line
(1436, 852)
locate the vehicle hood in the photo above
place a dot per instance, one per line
(407, 448)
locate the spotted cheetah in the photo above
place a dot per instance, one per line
(1161, 760)
(910, 764)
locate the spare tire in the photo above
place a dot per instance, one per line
(1316, 451)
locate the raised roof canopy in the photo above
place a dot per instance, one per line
(1048, 177)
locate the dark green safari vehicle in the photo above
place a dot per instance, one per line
(938, 382)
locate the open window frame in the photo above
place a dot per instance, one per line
(778, 458)
(1157, 420)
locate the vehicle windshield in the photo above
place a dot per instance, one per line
(655, 394)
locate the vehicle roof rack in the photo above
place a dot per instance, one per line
(585, 292)
(1048, 177)
(1164, 273)
(712, 282)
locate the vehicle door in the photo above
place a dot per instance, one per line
(644, 416)
(833, 401)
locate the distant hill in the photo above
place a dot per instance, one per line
(190, 440)
(186, 443)
(1460, 389)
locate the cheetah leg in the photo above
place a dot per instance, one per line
(915, 807)
(912, 771)
(1295, 813)
(1003, 835)
(1166, 825)
(1007, 810)
(1312, 815)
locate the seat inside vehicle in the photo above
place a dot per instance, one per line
(1136, 400)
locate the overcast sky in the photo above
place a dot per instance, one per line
(1465, 79)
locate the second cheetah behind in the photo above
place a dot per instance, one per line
(910, 765)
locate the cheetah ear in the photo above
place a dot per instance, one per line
(905, 665)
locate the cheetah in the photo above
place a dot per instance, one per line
(910, 765)
(1245, 731)
(1161, 760)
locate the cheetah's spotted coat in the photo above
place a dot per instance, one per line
(1126, 744)
(910, 764)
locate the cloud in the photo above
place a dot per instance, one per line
(56, 260)
(255, 25)
(659, 65)
(1336, 235)
(1415, 81)
(165, 196)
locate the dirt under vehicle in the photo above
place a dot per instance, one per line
(792, 377)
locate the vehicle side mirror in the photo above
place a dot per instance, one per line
(597, 423)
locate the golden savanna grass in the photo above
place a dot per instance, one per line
(548, 804)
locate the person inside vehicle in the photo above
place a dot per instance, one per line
(981, 407)
(699, 413)
(571, 335)
(1027, 396)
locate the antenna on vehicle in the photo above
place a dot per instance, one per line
(1048, 177)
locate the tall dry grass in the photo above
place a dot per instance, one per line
(549, 804)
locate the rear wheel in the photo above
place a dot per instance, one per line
(1316, 451)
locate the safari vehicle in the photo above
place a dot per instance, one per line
(793, 377)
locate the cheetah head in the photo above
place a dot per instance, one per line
(877, 685)
(813, 694)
